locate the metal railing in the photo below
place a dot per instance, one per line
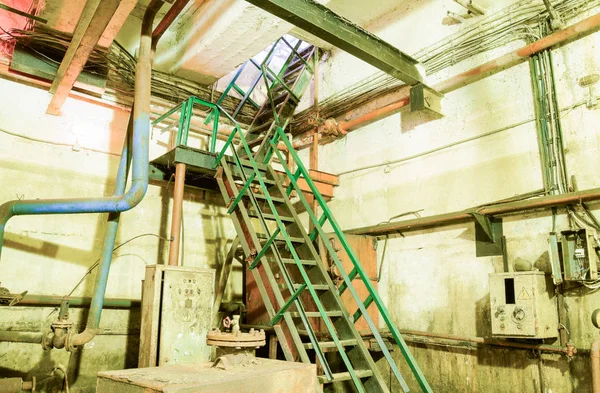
(301, 172)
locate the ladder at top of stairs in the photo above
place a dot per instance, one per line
(284, 84)
(292, 278)
(284, 91)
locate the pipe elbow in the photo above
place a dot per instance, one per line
(6, 212)
(134, 196)
(79, 339)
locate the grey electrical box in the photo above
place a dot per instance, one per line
(177, 304)
(523, 305)
(580, 261)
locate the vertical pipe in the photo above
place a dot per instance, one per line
(177, 211)
(314, 149)
(110, 236)
(595, 358)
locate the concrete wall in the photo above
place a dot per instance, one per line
(50, 254)
(432, 280)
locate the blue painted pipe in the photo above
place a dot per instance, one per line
(112, 226)
(114, 204)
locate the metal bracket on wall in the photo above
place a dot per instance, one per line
(425, 99)
(488, 235)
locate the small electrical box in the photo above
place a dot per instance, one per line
(523, 305)
(579, 258)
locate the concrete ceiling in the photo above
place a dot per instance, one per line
(212, 37)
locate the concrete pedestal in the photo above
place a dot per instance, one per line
(256, 376)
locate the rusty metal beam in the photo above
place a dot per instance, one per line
(93, 21)
(545, 202)
(325, 24)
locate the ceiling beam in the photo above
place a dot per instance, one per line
(93, 21)
(325, 24)
(24, 14)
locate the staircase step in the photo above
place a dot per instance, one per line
(292, 261)
(268, 216)
(259, 128)
(248, 164)
(293, 239)
(331, 344)
(264, 198)
(317, 287)
(339, 377)
(265, 180)
(316, 314)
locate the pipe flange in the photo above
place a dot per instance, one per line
(47, 337)
(252, 339)
(68, 340)
(66, 324)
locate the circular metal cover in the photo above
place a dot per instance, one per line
(252, 339)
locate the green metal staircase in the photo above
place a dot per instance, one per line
(292, 277)
(260, 189)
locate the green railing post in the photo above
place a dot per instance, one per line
(188, 120)
(182, 116)
(215, 132)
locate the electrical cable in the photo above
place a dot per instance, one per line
(511, 24)
(95, 264)
(435, 150)
(118, 67)
(63, 144)
(385, 244)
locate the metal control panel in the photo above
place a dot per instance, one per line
(177, 305)
(523, 305)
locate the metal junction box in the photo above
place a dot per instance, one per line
(177, 305)
(523, 305)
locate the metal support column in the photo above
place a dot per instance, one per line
(177, 213)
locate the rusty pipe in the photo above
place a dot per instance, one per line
(347, 126)
(177, 213)
(568, 350)
(490, 210)
(75, 301)
(562, 37)
(21, 337)
(595, 360)
(169, 18)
